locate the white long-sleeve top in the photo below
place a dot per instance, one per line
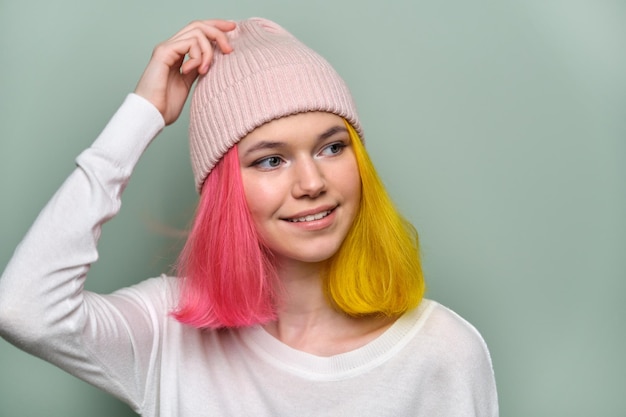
(429, 363)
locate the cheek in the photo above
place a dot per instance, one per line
(252, 198)
(261, 197)
(352, 184)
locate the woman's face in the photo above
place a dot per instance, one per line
(302, 184)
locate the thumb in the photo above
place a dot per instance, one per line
(190, 77)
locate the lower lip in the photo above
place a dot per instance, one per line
(313, 225)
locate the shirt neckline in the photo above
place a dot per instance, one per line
(343, 365)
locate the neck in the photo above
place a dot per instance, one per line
(302, 286)
(306, 320)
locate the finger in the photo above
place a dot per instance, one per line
(197, 40)
(204, 25)
(221, 24)
(190, 77)
(206, 49)
(221, 38)
(196, 58)
(172, 53)
(203, 40)
(198, 49)
(213, 30)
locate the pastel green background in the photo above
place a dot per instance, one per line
(499, 127)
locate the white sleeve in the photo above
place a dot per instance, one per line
(43, 308)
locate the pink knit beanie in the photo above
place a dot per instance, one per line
(270, 74)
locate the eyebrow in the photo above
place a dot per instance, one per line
(332, 131)
(268, 144)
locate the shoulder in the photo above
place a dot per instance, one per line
(449, 336)
(452, 365)
(449, 325)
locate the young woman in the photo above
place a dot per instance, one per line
(300, 289)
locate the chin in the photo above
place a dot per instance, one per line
(306, 256)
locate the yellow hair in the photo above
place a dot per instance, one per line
(377, 270)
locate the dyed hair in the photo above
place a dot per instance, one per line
(377, 269)
(228, 277)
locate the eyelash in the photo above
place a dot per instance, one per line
(339, 145)
(261, 162)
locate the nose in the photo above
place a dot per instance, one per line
(309, 179)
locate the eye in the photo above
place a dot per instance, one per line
(268, 163)
(333, 149)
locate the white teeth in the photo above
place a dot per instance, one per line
(311, 217)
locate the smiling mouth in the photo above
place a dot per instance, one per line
(311, 217)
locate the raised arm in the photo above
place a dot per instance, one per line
(43, 308)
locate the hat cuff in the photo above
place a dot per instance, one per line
(275, 92)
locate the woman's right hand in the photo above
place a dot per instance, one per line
(168, 78)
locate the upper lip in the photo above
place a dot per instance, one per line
(311, 212)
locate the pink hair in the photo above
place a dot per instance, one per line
(228, 279)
